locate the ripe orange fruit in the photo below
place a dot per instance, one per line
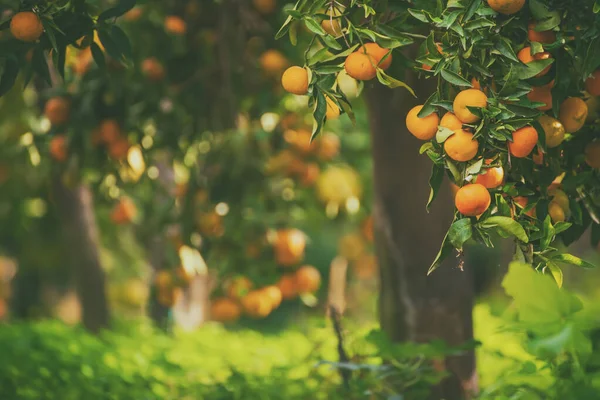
(506, 7)
(592, 154)
(592, 84)
(308, 279)
(461, 146)
(58, 148)
(238, 287)
(451, 121)
(523, 201)
(256, 304)
(289, 247)
(538, 158)
(333, 111)
(295, 80)
(469, 98)
(310, 174)
(124, 211)
(153, 69)
(492, 177)
(556, 212)
(273, 293)
(526, 57)
(328, 146)
(133, 15)
(360, 66)
(541, 95)
(427, 67)
(524, 140)
(332, 24)
(109, 131)
(175, 25)
(472, 200)
(57, 110)
(553, 130)
(573, 113)
(118, 149)
(545, 37)
(560, 197)
(273, 62)
(287, 286)
(378, 53)
(422, 128)
(224, 309)
(264, 6)
(26, 26)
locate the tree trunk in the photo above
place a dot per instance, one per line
(76, 211)
(414, 306)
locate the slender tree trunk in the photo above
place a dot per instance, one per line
(414, 306)
(80, 233)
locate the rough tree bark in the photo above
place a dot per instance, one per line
(75, 208)
(414, 306)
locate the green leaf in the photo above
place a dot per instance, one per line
(455, 79)
(122, 41)
(505, 48)
(392, 82)
(455, 172)
(475, 167)
(121, 8)
(435, 181)
(572, 260)
(548, 233)
(444, 252)
(9, 75)
(319, 113)
(507, 225)
(529, 70)
(314, 26)
(112, 49)
(40, 65)
(428, 107)
(98, 55)
(442, 134)
(556, 272)
(460, 232)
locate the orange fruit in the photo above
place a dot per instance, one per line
(109, 131)
(554, 131)
(332, 25)
(163, 279)
(592, 84)
(310, 174)
(427, 67)
(451, 121)
(57, 110)
(524, 140)
(492, 177)
(175, 25)
(526, 57)
(300, 140)
(422, 128)
(573, 113)
(224, 309)
(360, 66)
(287, 286)
(256, 304)
(461, 146)
(118, 149)
(58, 148)
(210, 224)
(560, 197)
(328, 146)
(273, 293)
(308, 279)
(333, 111)
(124, 211)
(26, 26)
(556, 212)
(545, 37)
(133, 15)
(538, 158)
(523, 201)
(289, 247)
(506, 7)
(367, 228)
(273, 62)
(469, 98)
(472, 200)
(378, 53)
(264, 6)
(541, 95)
(238, 287)
(295, 80)
(153, 69)
(592, 154)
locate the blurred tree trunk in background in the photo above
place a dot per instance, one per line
(80, 234)
(414, 306)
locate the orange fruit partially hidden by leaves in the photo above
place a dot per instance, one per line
(592, 154)
(57, 110)
(491, 178)
(333, 111)
(422, 128)
(524, 140)
(545, 37)
(238, 287)
(308, 279)
(553, 130)
(451, 121)
(287, 286)
(225, 310)
(592, 84)
(378, 53)
(461, 146)
(26, 26)
(58, 148)
(360, 66)
(472, 200)
(175, 25)
(523, 201)
(332, 25)
(506, 7)
(556, 212)
(541, 95)
(573, 113)
(526, 57)
(295, 80)
(469, 98)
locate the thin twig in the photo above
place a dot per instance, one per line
(337, 327)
